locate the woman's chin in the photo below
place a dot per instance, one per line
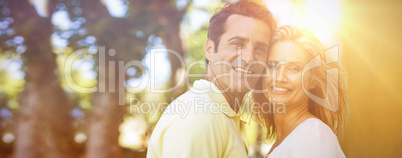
(275, 98)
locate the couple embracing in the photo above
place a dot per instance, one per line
(247, 54)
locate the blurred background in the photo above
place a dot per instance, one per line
(61, 62)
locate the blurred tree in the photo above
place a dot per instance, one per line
(44, 127)
(169, 15)
(122, 40)
(4, 117)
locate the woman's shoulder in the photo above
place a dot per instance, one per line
(315, 138)
(316, 125)
(315, 129)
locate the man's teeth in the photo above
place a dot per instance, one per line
(242, 70)
(280, 89)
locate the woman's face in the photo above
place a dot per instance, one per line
(286, 60)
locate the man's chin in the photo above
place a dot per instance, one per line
(243, 89)
(241, 86)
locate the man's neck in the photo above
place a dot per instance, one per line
(234, 99)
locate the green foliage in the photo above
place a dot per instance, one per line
(196, 42)
(195, 39)
(10, 86)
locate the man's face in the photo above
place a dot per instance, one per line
(241, 54)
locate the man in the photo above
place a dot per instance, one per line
(238, 42)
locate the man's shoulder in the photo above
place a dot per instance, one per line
(191, 108)
(193, 93)
(193, 102)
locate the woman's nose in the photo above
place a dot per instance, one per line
(281, 74)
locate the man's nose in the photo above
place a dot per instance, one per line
(248, 55)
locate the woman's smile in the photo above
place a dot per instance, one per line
(280, 90)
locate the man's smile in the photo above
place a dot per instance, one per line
(242, 70)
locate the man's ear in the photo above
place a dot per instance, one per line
(209, 49)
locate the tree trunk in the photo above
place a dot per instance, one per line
(105, 119)
(171, 18)
(173, 42)
(106, 114)
(44, 124)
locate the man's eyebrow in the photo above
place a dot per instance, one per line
(288, 63)
(262, 44)
(243, 39)
(239, 38)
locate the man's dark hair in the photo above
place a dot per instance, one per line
(217, 23)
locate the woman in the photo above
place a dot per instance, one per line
(307, 102)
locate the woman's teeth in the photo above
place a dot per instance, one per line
(280, 89)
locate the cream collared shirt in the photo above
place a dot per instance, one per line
(198, 124)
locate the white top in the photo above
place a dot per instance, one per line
(311, 139)
(199, 124)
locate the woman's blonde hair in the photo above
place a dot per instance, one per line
(332, 112)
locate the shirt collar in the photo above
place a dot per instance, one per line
(216, 95)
